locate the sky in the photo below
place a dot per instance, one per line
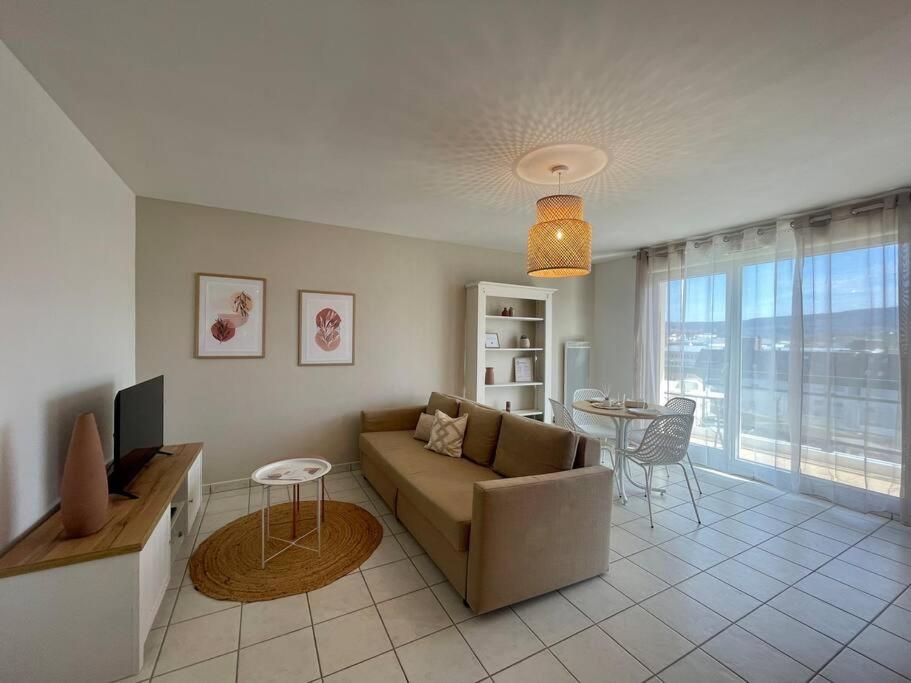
(860, 279)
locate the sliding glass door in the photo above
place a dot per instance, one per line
(696, 357)
(795, 374)
(765, 331)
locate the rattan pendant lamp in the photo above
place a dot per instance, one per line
(560, 243)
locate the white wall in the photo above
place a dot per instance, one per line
(614, 307)
(410, 328)
(67, 280)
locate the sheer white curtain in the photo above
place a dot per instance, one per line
(903, 219)
(788, 337)
(850, 416)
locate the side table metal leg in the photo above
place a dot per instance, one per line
(319, 517)
(294, 491)
(262, 526)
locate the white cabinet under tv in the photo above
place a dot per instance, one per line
(532, 316)
(80, 609)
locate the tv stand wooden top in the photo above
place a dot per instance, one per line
(130, 522)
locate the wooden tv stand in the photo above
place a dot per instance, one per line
(81, 608)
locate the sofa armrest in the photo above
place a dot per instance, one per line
(531, 535)
(392, 420)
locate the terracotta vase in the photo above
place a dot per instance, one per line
(488, 376)
(84, 489)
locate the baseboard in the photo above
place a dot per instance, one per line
(235, 484)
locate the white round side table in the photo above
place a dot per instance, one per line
(290, 474)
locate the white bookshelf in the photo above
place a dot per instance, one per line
(533, 317)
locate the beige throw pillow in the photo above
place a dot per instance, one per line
(425, 422)
(446, 434)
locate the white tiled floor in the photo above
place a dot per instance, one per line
(772, 587)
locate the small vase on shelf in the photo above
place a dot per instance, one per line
(524, 342)
(505, 312)
(488, 376)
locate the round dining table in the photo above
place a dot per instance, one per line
(621, 416)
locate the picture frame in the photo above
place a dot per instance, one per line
(230, 316)
(326, 327)
(524, 369)
(491, 340)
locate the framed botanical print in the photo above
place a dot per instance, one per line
(230, 316)
(325, 328)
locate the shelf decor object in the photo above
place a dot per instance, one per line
(532, 321)
(560, 242)
(524, 369)
(230, 316)
(325, 333)
(84, 488)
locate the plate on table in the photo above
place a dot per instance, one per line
(645, 412)
(606, 406)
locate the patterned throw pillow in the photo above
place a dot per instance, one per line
(425, 423)
(447, 434)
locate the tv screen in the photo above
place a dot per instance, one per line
(138, 429)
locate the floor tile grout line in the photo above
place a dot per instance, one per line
(868, 625)
(187, 666)
(167, 627)
(885, 557)
(763, 603)
(484, 666)
(382, 621)
(240, 632)
(386, 628)
(794, 585)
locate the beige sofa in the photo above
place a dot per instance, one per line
(524, 511)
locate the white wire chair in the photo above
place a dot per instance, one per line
(563, 418)
(664, 443)
(685, 406)
(595, 425)
(679, 406)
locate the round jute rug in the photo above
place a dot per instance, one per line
(226, 566)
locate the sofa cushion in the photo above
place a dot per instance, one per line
(444, 492)
(422, 431)
(395, 453)
(530, 447)
(447, 434)
(438, 401)
(441, 488)
(480, 444)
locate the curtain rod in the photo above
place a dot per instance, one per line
(864, 205)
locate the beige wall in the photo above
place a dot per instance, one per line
(612, 350)
(66, 273)
(410, 328)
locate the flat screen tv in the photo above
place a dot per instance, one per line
(138, 431)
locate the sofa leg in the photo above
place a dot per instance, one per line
(465, 602)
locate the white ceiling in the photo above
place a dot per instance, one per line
(408, 117)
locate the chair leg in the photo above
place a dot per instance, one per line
(648, 494)
(693, 470)
(692, 497)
